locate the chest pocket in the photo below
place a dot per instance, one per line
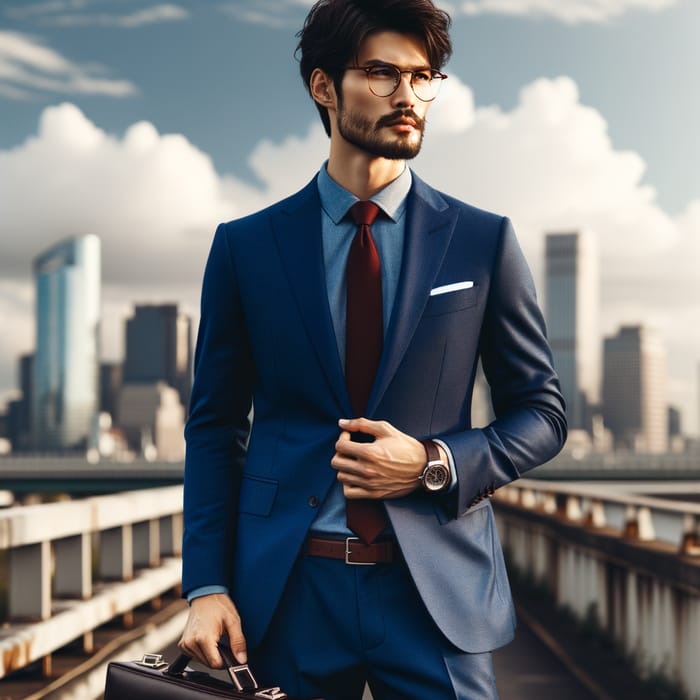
(452, 301)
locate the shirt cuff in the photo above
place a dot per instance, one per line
(451, 461)
(205, 590)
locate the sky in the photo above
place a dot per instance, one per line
(148, 123)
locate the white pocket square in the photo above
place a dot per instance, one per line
(455, 287)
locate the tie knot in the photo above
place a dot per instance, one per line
(364, 213)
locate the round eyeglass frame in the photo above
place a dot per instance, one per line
(436, 75)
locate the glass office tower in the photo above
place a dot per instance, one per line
(635, 405)
(572, 304)
(67, 341)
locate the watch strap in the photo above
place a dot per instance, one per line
(431, 451)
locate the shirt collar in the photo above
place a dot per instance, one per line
(336, 200)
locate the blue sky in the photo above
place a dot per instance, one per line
(149, 122)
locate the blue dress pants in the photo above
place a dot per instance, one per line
(340, 626)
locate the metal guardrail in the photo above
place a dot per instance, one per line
(635, 516)
(72, 566)
(625, 564)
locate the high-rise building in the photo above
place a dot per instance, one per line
(159, 348)
(635, 406)
(65, 391)
(572, 309)
(675, 422)
(22, 414)
(110, 384)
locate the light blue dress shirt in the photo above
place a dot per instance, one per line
(338, 231)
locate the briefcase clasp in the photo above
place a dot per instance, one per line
(271, 694)
(152, 661)
(244, 680)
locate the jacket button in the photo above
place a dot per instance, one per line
(313, 501)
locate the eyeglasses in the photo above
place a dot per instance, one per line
(384, 79)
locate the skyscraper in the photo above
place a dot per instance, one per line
(159, 348)
(110, 384)
(65, 392)
(22, 414)
(572, 308)
(635, 407)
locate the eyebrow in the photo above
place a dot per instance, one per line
(379, 62)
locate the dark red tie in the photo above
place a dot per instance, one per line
(363, 347)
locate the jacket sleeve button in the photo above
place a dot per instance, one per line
(313, 501)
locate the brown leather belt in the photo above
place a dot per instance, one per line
(353, 551)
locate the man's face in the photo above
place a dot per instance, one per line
(387, 127)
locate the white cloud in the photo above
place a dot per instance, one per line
(28, 66)
(548, 163)
(569, 11)
(453, 111)
(153, 199)
(151, 15)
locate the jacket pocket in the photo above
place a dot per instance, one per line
(257, 495)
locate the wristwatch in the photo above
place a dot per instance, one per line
(436, 476)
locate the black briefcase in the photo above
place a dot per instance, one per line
(154, 679)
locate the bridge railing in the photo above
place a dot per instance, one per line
(609, 506)
(629, 562)
(70, 567)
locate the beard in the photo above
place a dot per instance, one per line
(360, 132)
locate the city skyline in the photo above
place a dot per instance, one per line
(132, 120)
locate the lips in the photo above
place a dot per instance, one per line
(403, 122)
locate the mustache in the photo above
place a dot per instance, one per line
(399, 114)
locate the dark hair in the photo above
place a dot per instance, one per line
(335, 29)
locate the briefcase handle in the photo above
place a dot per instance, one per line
(241, 676)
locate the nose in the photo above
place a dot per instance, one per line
(404, 96)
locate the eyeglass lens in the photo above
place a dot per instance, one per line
(384, 80)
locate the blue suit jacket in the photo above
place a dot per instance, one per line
(266, 336)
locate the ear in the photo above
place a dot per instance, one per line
(322, 89)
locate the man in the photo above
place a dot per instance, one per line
(347, 536)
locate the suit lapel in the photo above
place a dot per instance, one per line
(297, 229)
(430, 223)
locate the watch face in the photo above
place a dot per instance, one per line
(435, 477)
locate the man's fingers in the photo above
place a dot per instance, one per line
(346, 463)
(209, 653)
(210, 617)
(364, 425)
(350, 491)
(237, 643)
(201, 649)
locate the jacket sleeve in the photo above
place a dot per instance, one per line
(530, 424)
(218, 425)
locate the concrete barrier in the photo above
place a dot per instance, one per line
(75, 565)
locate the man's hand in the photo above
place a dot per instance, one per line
(212, 616)
(389, 467)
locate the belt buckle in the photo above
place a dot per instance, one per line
(347, 554)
